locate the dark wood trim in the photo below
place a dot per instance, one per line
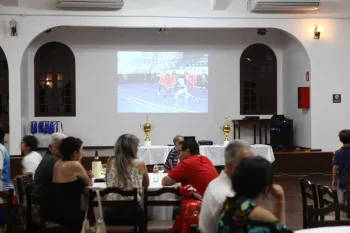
(85, 148)
(4, 84)
(286, 163)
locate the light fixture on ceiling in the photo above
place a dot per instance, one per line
(261, 31)
(317, 32)
(163, 30)
(13, 26)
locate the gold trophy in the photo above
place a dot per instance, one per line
(226, 128)
(147, 128)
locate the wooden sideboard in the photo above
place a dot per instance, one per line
(257, 124)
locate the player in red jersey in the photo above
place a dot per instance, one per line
(191, 78)
(170, 83)
(162, 83)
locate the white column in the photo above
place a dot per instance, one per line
(14, 64)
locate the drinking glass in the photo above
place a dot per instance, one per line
(103, 169)
(161, 170)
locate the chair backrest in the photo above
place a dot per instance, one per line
(314, 213)
(176, 201)
(36, 196)
(308, 193)
(327, 196)
(194, 229)
(168, 202)
(122, 204)
(7, 205)
(21, 182)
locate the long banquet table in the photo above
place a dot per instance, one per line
(157, 212)
(158, 154)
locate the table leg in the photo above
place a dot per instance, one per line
(260, 133)
(254, 134)
(239, 131)
(234, 131)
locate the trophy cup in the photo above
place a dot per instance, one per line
(226, 128)
(147, 128)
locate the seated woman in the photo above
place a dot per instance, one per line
(68, 184)
(251, 182)
(126, 172)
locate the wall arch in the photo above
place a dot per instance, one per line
(54, 80)
(258, 80)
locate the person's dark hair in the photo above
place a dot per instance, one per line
(31, 141)
(190, 144)
(252, 177)
(344, 136)
(2, 134)
(68, 146)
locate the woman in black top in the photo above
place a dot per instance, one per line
(68, 184)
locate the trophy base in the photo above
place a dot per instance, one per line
(148, 143)
(226, 143)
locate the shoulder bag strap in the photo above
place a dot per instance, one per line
(99, 203)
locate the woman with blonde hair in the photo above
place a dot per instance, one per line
(125, 171)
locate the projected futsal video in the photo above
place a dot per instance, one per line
(164, 82)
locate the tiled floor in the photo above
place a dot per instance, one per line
(291, 188)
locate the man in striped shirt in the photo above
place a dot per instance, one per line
(173, 156)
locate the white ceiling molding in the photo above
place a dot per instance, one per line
(219, 5)
(9, 2)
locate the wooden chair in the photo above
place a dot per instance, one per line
(347, 179)
(7, 205)
(327, 196)
(308, 193)
(127, 204)
(194, 229)
(314, 214)
(36, 217)
(159, 225)
(21, 182)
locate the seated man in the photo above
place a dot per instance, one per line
(173, 156)
(221, 187)
(193, 169)
(31, 158)
(44, 172)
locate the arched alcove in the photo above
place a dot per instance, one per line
(54, 80)
(258, 80)
(4, 91)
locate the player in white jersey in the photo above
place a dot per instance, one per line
(182, 90)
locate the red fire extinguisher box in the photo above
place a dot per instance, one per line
(304, 97)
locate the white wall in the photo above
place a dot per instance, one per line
(198, 8)
(329, 56)
(95, 50)
(295, 65)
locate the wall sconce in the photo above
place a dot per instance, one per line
(13, 26)
(317, 32)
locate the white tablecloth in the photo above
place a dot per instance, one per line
(158, 154)
(342, 229)
(157, 212)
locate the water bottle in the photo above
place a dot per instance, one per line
(155, 173)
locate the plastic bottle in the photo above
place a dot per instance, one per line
(96, 166)
(155, 173)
